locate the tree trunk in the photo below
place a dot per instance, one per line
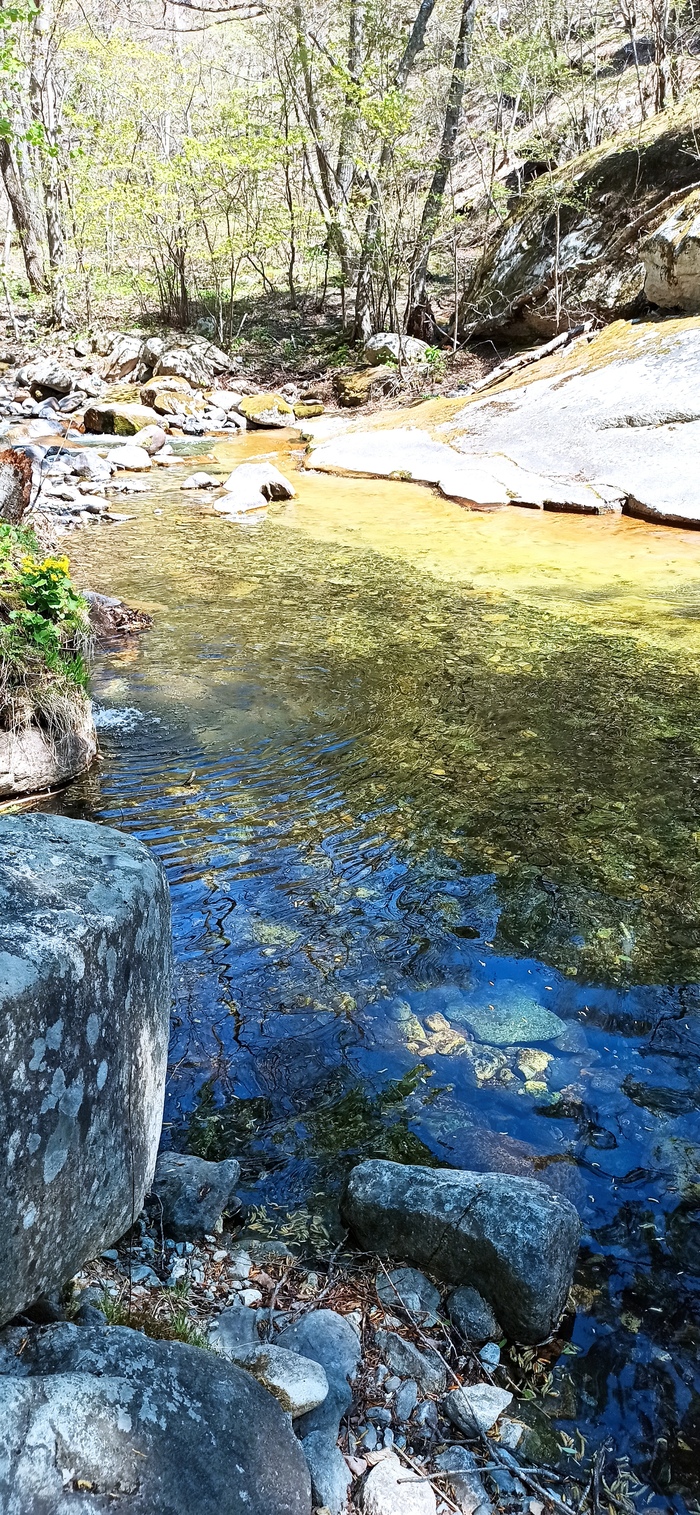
(22, 215)
(364, 299)
(345, 171)
(419, 314)
(42, 93)
(327, 189)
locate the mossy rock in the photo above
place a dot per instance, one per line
(165, 386)
(267, 410)
(356, 388)
(118, 420)
(305, 409)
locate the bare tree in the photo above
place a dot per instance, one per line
(364, 299)
(44, 102)
(419, 319)
(23, 215)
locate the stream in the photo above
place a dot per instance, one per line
(425, 785)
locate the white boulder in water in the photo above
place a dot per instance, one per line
(133, 459)
(259, 478)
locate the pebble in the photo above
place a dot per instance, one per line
(406, 1400)
(476, 1407)
(251, 1297)
(491, 1354)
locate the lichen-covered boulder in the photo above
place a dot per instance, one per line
(267, 410)
(97, 1418)
(510, 1238)
(85, 966)
(116, 418)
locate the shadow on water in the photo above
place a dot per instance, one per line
(434, 856)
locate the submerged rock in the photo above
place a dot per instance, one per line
(515, 1017)
(511, 1238)
(93, 1416)
(84, 1020)
(192, 1195)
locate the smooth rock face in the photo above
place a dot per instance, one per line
(472, 1315)
(671, 258)
(620, 412)
(409, 1362)
(511, 1238)
(384, 1494)
(133, 459)
(405, 452)
(146, 1425)
(477, 1407)
(85, 965)
(31, 760)
(259, 478)
(192, 1194)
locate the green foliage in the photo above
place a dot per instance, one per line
(44, 634)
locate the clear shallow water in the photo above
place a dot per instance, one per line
(424, 784)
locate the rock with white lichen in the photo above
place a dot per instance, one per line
(85, 963)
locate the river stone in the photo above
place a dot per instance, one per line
(49, 378)
(192, 1195)
(201, 481)
(514, 1017)
(252, 479)
(85, 965)
(476, 1407)
(132, 459)
(406, 1400)
(155, 387)
(297, 1382)
(151, 439)
(31, 760)
(408, 1287)
(393, 1489)
(266, 410)
(234, 1330)
(405, 1359)
(472, 1315)
(123, 420)
(464, 1482)
(511, 1238)
(147, 1425)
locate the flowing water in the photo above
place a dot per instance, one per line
(425, 786)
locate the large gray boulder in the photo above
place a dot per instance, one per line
(671, 258)
(96, 1418)
(513, 1239)
(85, 963)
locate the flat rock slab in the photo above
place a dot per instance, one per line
(145, 1426)
(511, 1238)
(621, 411)
(85, 965)
(406, 453)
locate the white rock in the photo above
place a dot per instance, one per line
(135, 459)
(472, 485)
(391, 1488)
(250, 479)
(225, 399)
(151, 438)
(476, 1407)
(200, 481)
(671, 258)
(405, 451)
(387, 345)
(251, 1297)
(298, 1383)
